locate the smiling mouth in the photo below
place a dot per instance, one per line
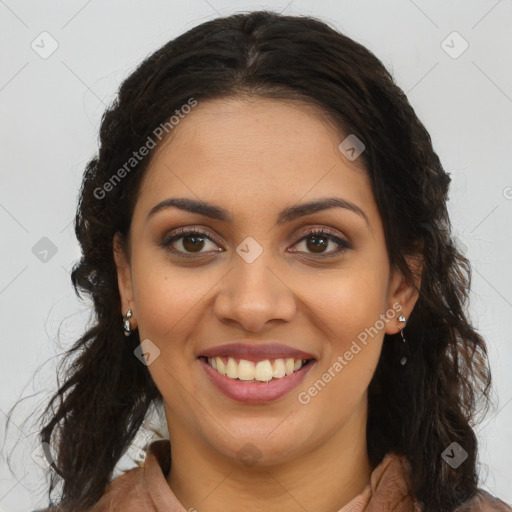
(256, 371)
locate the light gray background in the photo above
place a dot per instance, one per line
(50, 114)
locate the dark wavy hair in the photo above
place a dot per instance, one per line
(416, 410)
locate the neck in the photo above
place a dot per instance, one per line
(323, 479)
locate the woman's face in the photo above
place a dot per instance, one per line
(254, 285)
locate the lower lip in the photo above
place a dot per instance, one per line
(255, 392)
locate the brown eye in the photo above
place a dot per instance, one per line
(317, 242)
(192, 243)
(188, 242)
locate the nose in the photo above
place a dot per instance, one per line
(254, 295)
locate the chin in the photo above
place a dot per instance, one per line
(260, 445)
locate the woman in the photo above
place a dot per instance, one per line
(266, 240)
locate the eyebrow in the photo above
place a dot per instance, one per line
(288, 214)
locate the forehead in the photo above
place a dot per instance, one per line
(249, 154)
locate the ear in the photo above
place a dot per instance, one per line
(124, 278)
(402, 294)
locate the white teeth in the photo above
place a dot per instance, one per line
(278, 369)
(221, 367)
(232, 369)
(246, 369)
(263, 371)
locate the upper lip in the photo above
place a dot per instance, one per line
(255, 351)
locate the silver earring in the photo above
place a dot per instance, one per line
(126, 323)
(401, 318)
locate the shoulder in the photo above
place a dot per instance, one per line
(127, 492)
(484, 502)
(394, 471)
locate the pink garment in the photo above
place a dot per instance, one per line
(145, 489)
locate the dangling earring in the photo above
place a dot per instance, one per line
(401, 318)
(126, 323)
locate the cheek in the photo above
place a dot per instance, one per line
(347, 307)
(350, 357)
(166, 301)
(168, 310)
(347, 301)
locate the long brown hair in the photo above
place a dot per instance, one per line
(417, 410)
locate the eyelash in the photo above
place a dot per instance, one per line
(167, 242)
